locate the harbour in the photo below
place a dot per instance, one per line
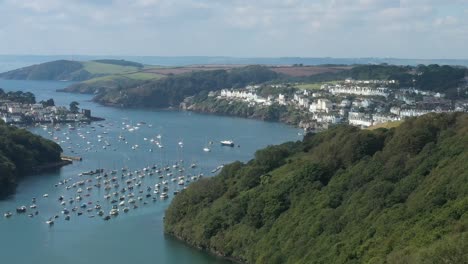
(140, 142)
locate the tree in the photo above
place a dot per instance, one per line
(74, 107)
(47, 103)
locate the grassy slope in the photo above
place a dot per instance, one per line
(387, 125)
(111, 76)
(342, 196)
(97, 68)
(133, 75)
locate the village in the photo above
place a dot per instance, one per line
(362, 103)
(25, 113)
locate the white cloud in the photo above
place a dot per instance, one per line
(238, 27)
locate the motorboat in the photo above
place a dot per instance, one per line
(114, 212)
(228, 143)
(21, 209)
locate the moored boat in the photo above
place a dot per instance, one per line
(228, 143)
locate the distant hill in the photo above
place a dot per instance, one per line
(346, 195)
(121, 63)
(54, 70)
(68, 70)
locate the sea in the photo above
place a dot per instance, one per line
(134, 140)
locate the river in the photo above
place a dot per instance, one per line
(136, 236)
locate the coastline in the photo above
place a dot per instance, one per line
(91, 119)
(204, 250)
(50, 166)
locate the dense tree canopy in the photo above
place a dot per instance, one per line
(21, 152)
(171, 91)
(74, 107)
(342, 196)
(18, 96)
(48, 102)
(445, 79)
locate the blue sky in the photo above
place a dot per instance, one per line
(239, 28)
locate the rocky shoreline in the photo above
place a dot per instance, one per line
(50, 166)
(208, 251)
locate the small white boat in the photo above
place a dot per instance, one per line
(228, 143)
(7, 214)
(163, 195)
(45, 195)
(50, 222)
(114, 212)
(206, 149)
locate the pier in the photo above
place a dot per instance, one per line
(71, 158)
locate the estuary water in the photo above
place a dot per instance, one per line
(133, 139)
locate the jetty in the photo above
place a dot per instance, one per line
(71, 158)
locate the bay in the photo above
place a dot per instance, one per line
(136, 236)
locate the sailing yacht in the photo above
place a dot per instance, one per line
(206, 148)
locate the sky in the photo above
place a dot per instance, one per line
(426, 29)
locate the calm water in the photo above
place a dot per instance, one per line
(138, 235)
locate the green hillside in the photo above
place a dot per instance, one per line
(172, 90)
(110, 82)
(346, 195)
(73, 70)
(22, 152)
(100, 68)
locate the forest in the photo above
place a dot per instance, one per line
(21, 153)
(18, 97)
(445, 79)
(345, 195)
(172, 90)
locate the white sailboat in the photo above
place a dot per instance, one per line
(206, 148)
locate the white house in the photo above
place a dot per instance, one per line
(321, 105)
(382, 118)
(327, 118)
(281, 99)
(357, 90)
(413, 112)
